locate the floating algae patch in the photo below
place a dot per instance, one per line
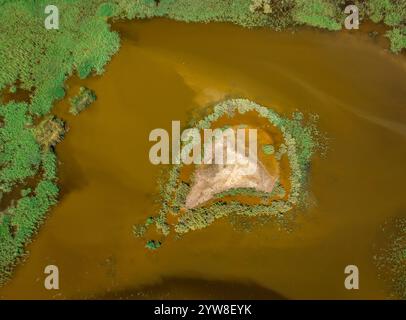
(391, 258)
(195, 196)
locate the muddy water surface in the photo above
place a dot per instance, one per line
(167, 70)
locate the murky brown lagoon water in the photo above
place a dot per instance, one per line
(163, 72)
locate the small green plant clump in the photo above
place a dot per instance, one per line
(268, 149)
(82, 101)
(50, 131)
(153, 245)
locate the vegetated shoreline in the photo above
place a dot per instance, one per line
(39, 61)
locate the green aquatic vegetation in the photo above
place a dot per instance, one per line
(161, 224)
(106, 9)
(25, 192)
(153, 245)
(397, 38)
(391, 258)
(278, 190)
(49, 131)
(281, 151)
(49, 165)
(18, 224)
(150, 220)
(42, 59)
(236, 11)
(268, 149)
(318, 13)
(82, 101)
(20, 158)
(279, 12)
(242, 191)
(13, 89)
(329, 14)
(139, 230)
(391, 12)
(261, 5)
(202, 217)
(180, 196)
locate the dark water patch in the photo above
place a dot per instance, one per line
(15, 93)
(193, 288)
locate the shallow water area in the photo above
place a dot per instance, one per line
(168, 71)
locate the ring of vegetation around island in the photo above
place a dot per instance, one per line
(286, 148)
(35, 64)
